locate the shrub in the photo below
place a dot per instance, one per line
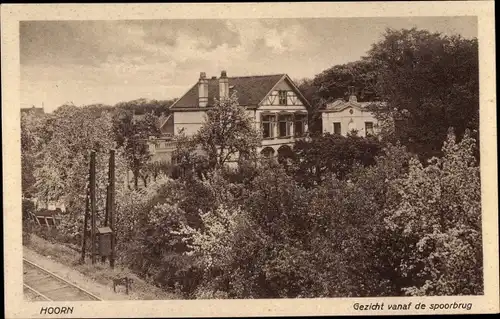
(316, 159)
(290, 241)
(439, 217)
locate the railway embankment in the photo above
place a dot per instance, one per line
(96, 279)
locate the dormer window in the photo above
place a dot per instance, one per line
(282, 97)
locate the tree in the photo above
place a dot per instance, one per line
(31, 141)
(270, 237)
(144, 221)
(334, 82)
(133, 134)
(316, 159)
(431, 83)
(253, 252)
(351, 229)
(145, 106)
(227, 132)
(62, 163)
(438, 218)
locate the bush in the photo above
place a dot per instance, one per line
(331, 154)
(279, 239)
(257, 232)
(439, 216)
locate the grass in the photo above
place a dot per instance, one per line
(99, 272)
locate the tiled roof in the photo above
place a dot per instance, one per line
(250, 90)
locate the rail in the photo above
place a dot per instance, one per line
(42, 284)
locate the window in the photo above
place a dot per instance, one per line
(369, 128)
(337, 128)
(300, 124)
(285, 125)
(267, 126)
(282, 97)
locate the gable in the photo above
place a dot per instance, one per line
(294, 96)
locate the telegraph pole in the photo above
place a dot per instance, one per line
(106, 216)
(86, 217)
(111, 206)
(92, 204)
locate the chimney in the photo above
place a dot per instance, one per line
(223, 85)
(203, 90)
(352, 94)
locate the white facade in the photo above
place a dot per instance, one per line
(341, 117)
(188, 121)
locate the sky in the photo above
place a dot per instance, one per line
(87, 62)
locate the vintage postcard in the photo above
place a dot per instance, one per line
(249, 159)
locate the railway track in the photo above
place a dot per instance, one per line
(40, 284)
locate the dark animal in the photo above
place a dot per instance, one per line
(124, 281)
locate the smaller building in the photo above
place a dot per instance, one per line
(342, 117)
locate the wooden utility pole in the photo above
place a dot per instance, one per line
(92, 205)
(111, 206)
(86, 217)
(106, 216)
(108, 200)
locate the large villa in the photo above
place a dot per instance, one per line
(276, 105)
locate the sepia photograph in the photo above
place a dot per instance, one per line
(269, 158)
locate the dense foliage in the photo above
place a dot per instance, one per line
(31, 135)
(432, 83)
(324, 155)
(429, 81)
(59, 149)
(145, 106)
(388, 227)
